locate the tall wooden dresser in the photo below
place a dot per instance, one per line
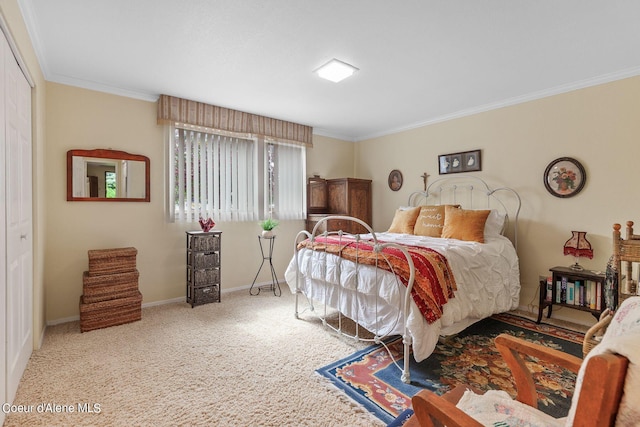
(340, 196)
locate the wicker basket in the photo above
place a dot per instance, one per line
(109, 286)
(110, 313)
(205, 242)
(206, 260)
(204, 277)
(112, 261)
(594, 334)
(204, 295)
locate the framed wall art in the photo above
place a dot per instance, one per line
(564, 177)
(395, 180)
(466, 161)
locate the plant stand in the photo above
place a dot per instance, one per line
(274, 286)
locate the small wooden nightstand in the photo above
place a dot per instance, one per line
(577, 289)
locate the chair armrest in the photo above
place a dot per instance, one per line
(589, 338)
(427, 404)
(512, 349)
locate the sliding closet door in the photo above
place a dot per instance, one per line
(3, 240)
(19, 266)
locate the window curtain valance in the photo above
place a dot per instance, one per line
(172, 109)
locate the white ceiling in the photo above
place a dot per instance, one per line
(420, 61)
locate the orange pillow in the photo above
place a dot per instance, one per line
(464, 224)
(404, 220)
(430, 221)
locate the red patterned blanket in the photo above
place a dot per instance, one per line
(433, 283)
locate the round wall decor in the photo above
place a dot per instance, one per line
(564, 177)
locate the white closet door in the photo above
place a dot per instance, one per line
(18, 222)
(3, 240)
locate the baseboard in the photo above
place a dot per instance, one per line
(558, 316)
(150, 304)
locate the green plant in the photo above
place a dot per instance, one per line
(269, 224)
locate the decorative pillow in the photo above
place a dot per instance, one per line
(404, 220)
(494, 224)
(430, 221)
(464, 224)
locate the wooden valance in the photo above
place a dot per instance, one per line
(172, 109)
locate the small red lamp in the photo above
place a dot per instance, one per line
(578, 246)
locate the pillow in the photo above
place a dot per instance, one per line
(430, 221)
(464, 224)
(404, 220)
(495, 223)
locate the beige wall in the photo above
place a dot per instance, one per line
(598, 126)
(84, 119)
(13, 18)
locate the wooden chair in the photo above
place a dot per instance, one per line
(603, 382)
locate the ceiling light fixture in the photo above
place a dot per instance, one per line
(336, 70)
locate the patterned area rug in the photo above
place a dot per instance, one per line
(370, 377)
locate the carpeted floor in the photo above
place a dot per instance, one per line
(246, 361)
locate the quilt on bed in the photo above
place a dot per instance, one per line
(434, 282)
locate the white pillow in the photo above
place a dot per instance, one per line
(495, 223)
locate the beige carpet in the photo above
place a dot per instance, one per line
(246, 361)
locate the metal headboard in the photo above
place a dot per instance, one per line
(471, 192)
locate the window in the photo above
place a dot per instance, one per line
(285, 187)
(110, 184)
(228, 177)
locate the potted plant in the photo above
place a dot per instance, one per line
(267, 227)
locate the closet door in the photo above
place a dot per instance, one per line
(19, 304)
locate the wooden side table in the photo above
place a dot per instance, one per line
(565, 283)
(274, 286)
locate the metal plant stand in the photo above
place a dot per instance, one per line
(274, 286)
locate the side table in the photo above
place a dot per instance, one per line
(274, 286)
(576, 289)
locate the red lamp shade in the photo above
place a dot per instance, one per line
(578, 246)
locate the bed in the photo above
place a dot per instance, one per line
(397, 282)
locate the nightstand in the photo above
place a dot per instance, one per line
(576, 289)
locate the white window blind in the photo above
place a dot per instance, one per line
(212, 176)
(285, 187)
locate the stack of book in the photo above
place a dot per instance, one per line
(579, 292)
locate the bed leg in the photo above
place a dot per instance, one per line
(406, 375)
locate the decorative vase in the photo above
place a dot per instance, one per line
(207, 224)
(267, 233)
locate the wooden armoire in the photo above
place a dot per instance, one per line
(340, 196)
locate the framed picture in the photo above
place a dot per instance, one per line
(395, 180)
(466, 161)
(564, 177)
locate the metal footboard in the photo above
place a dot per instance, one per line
(351, 293)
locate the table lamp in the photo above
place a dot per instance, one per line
(578, 246)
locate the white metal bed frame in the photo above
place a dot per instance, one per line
(453, 190)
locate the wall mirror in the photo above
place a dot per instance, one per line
(107, 176)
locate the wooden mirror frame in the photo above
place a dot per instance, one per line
(113, 155)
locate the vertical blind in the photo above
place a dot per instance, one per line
(286, 165)
(214, 176)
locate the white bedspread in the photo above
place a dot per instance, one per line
(487, 275)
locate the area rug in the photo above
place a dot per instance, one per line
(370, 378)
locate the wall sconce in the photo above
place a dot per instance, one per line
(578, 246)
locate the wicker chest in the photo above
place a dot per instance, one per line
(110, 294)
(203, 267)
